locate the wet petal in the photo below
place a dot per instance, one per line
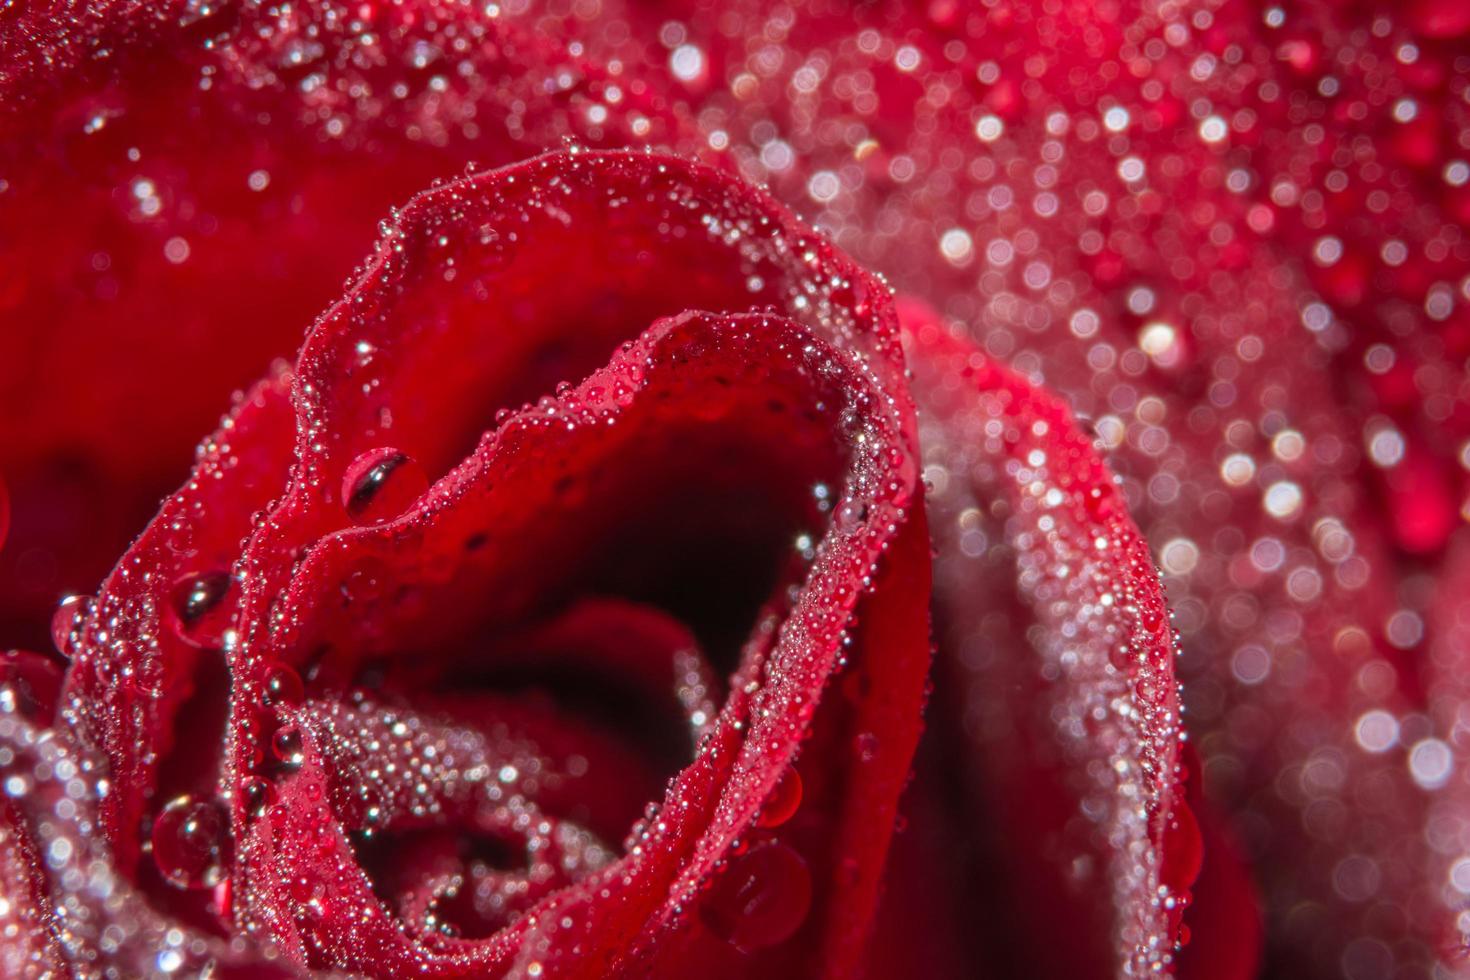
(140, 255)
(1059, 658)
(655, 442)
(149, 686)
(762, 460)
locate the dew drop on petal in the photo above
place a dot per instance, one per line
(783, 802)
(201, 615)
(65, 622)
(190, 842)
(1099, 504)
(760, 899)
(255, 795)
(380, 485)
(287, 749)
(367, 582)
(281, 685)
(1183, 849)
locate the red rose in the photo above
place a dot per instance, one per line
(383, 802)
(1231, 238)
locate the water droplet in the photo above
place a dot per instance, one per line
(381, 484)
(281, 685)
(70, 614)
(367, 582)
(190, 842)
(201, 615)
(1183, 849)
(255, 795)
(851, 514)
(760, 899)
(287, 748)
(783, 802)
(1099, 504)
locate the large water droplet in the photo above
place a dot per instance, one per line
(369, 579)
(201, 615)
(1099, 504)
(191, 842)
(67, 621)
(1183, 849)
(783, 802)
(287, 748)
(851, 514)
(381, 484)
(760, 899)
(255, 795)
(281, 685)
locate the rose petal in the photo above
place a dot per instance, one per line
(722, 415)
(664, 392)
(141, 653)
(1061, 661)
(1131, 202)
(1223, 925)
(138, 253)
(53, 857)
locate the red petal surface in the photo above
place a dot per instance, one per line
(1302, 626)
(148, 685)
(555, 513)
(1063, 672)
(1234, 238)
(393, 805)
(557, 487)
(182, 193)
(67, 909)
(1224, 923)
